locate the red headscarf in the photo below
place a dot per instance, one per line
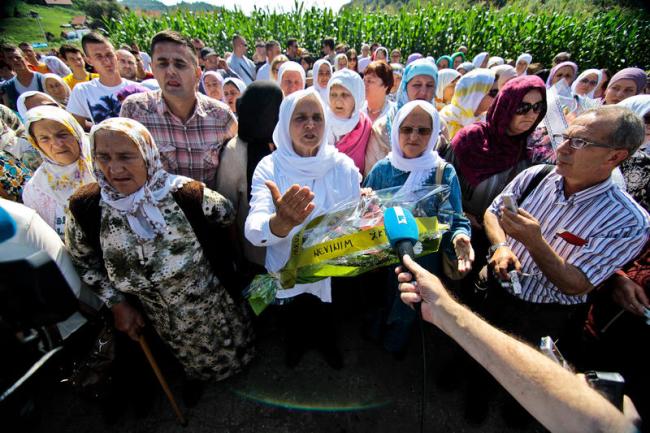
(483, 149)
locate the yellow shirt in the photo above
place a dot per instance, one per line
(71, 81)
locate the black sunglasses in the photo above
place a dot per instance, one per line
(525, 107)
(493, 93)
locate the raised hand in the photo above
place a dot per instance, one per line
(291, 208)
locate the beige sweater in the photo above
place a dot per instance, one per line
(232, 184)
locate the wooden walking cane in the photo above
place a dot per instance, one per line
(161, 379)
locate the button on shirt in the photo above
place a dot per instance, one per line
(614, 226)
(192, 148)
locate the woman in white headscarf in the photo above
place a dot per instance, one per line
(291, 78)
(340, 62)
(305, 177)
(66, 166)
(587, 83)
(495, 61)
(465, 67)
(212, 83)
(447, 79)
(144, 232)
(521, 66)
(322, 74)
(56, 88)
(480, 60)
(28, 100)
(474, 93)
(350, 128)
(503, 74)
(232, 90)
(411, 164)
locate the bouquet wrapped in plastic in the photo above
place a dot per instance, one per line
(351, 240)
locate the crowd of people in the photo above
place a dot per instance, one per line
(175, 175)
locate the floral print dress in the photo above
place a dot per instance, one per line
(180, 294)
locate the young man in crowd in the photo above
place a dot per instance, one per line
(239, 63)
(34, 64)
(25, 79)
(292, 50)
(188, 127)
(96, 100)
(127, 65)
(74, 58)
(272, 51)
(328, 49)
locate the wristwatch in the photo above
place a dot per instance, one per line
(495, 247)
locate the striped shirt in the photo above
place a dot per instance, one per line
(192, 148)
(613, 224)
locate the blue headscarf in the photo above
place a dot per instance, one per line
(413, 69)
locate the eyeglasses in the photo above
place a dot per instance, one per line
(408, 130)
(575, 142)
(587, 81)
(493, 93)
(525, 107)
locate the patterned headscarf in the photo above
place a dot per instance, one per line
(60, 180)
(484, 148)
(470, 91)
(141, 207)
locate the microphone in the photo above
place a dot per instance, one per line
(7, 226)
(402, 233)
(401, 230)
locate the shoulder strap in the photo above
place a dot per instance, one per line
(440, 170)
(210, 236)
(84, 206)
(534, 182)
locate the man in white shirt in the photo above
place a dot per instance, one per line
(96, 100)
(239, 63)
(273, 50)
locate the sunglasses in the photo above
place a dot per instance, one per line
(525, 107)
(575, 142)
(590, 82)
(408, 130)
(493, 93)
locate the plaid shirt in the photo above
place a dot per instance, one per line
(192, 148)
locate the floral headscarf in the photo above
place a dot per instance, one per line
(470, 91)
(141, 207)
(61, 181)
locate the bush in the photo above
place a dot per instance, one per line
(612, 39)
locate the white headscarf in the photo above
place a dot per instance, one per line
(217, 76)
(596, 72)
(61, 82)
(479, 58)
(290, 168)
(292, 66)
(495, 61)
(60, 181)
(640, 104)
(237, 82)
(20, 102)
(423, 166)
(141, 207)
(336, 61)
(505, 73)
(526, 58)
(322, 91)
(354, 84)
(445, 78)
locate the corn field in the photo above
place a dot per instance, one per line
(611, 39)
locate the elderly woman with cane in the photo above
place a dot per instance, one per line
(145, 233)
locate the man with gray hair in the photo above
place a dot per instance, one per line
(572, 230)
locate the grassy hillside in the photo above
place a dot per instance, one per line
(26, 28)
